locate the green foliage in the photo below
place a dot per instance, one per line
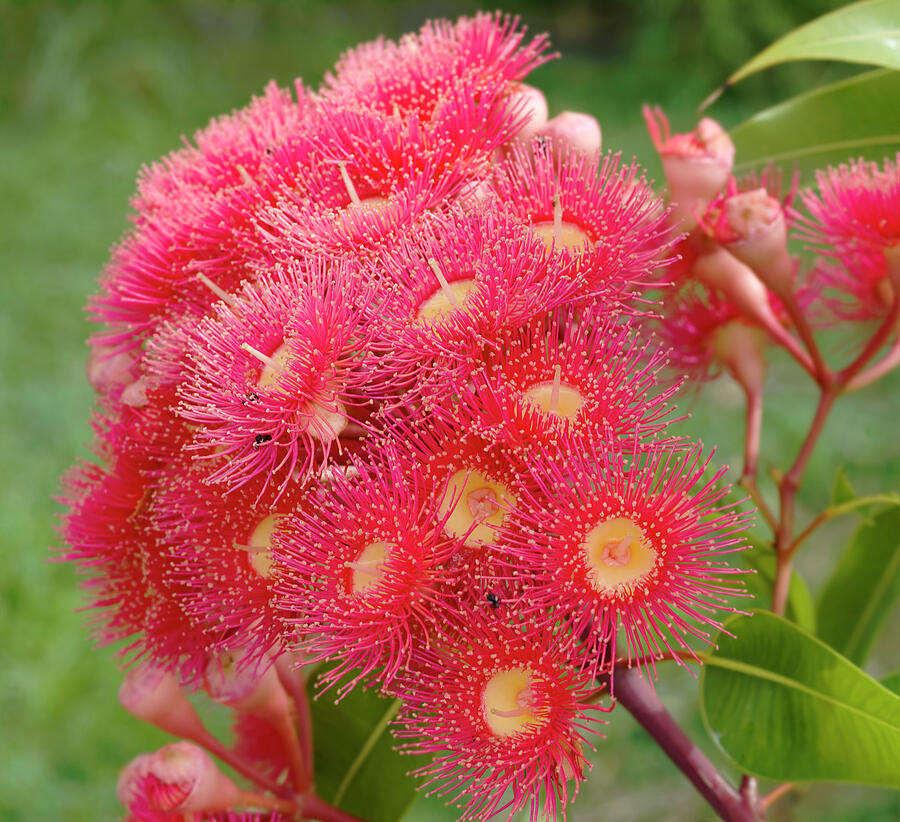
(851, 118)
(863, 587)
(356, 767)
(867, 32)
(783, 705)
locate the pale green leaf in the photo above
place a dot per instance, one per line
(863, 587)
(858, 117)
(867, 32)
(784, 706)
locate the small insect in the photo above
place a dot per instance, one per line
(259, 439)
(250, 397)
(494, 600)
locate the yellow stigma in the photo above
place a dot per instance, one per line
(555, 397)
(370, 205)
(444, 300)
(473, 499)
(562, 235)
(618, 555)
(368, 568)
(260, 545)
(508, 703)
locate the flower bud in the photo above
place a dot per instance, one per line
(108, 371)
(182, 778)
(534, 106)
(696, 164)
(245, 685)
(722, 270)
(752, 227)
(740, 348)
(572, 130)
(153, 695)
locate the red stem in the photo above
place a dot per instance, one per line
(790, 482)
(229, 757)
(294, 683)
(639, 699)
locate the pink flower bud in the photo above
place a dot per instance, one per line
(534, 105)
(696, 164)
(130, 777)
(722, 270)
(135, 393)
(573, 130)
(740, 348)
(182, 778)
(108, 371)
(153, 695)
(249, 686)
(751, 225)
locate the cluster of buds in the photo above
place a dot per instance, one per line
(370, 393)
(739, 288)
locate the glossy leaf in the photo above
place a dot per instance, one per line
(858, 117)
(784, 706)
(863, 587)
(867, 32)
(356, 767)
(760, 558)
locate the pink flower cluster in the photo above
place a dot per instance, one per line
(369, 391)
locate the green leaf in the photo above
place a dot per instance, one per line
(841, 489)
(863, 587)
(356, 767)
(857, 117)
(844, 498)
(892, 682)
(866, 32)
(761, 559)
(784, 706)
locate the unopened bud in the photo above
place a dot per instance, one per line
(696, 164)
(534, 106)
(153, 695)
(740, 348)
(108, 371)
(250, 686)
(573, 131)
(135, 393)
(182, 778)
(723, 271)
(751, 226)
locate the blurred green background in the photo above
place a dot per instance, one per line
(88, 92)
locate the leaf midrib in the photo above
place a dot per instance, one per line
(771, 676)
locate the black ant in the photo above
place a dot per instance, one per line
(494, 600)
(259, 439)
(251, 397)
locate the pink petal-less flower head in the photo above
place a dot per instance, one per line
(272, 375)
(626, 539)
(855, 219)
(571, 371)
(697, 164)
(360, 567)
(597, 212)
(503, 716)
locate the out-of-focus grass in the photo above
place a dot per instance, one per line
(88, 92)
